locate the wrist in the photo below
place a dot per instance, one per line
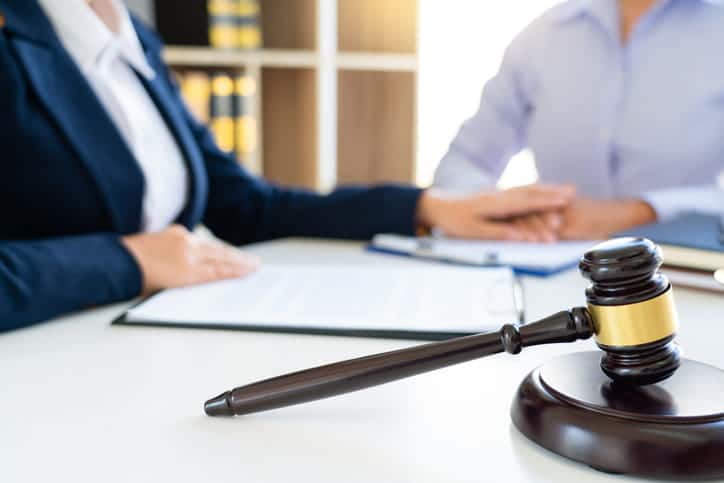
(130, 244)
(426, 209)
(642, 212)
(632, 213)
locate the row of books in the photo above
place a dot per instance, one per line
(224, 24)
(693, 248)
(224, 102)
(234, 24)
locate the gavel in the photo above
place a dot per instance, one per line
(630, 312)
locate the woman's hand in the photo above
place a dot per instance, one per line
(175, 257)
(587, 219)
(541, 227)
(492, 215)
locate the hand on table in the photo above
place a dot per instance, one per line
(175, 257)
(500, 215)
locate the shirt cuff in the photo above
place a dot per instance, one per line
(670, 203)
(458, 175)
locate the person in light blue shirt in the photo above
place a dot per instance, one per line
(622, 98)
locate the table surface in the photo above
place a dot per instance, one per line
(85, 401)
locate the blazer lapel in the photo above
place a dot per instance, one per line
(71, 102)
(172, 111)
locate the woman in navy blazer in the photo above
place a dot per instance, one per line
(71, 191)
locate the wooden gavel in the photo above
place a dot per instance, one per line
(630, 312)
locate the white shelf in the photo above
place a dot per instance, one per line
(377, 62)
(289, 58)
(210, 57)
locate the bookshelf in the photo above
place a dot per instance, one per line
(210, 58)
(337, 86)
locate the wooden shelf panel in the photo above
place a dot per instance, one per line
(289, 126)
(376, 115)
(378, 25)
(289, 24)
(209, 57)
(377, 62)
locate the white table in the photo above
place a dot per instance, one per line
(84, 401)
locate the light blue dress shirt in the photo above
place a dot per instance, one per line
(643, 119)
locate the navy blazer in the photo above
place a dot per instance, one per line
(70, 187)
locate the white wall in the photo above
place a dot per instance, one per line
(461, 45)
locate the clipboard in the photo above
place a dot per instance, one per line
(533, 259)
(219, 305)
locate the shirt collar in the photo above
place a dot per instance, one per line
(603, 9)
(89, 41)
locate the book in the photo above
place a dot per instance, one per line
(196, 91)
(248, 28)
(244, 121)
(691, 241)
(222, 110)
(223, 24)
(234, 24)
(223, 27)
(691, 247)
(698, 279)
(225, 103)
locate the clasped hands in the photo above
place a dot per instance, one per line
(534, 213)
(176, 257)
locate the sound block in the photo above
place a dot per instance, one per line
(670, 430)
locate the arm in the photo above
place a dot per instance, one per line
(241, 208)
(592, 219)
(485, 143)
(244, 209)
(42, 279)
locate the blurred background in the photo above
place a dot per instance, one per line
(318, 92)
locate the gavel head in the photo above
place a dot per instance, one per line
(632, 309)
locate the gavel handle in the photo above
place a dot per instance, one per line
(355, 374)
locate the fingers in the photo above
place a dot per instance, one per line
(536, 228)
(525, 200)
(492, 230)
(553, 220)
(216, 261)
(529, 213)
(539, 198)
(214, 271)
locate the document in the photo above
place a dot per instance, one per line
(526, 258)
(429, 299)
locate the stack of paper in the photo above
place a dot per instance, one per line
(429, 301)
